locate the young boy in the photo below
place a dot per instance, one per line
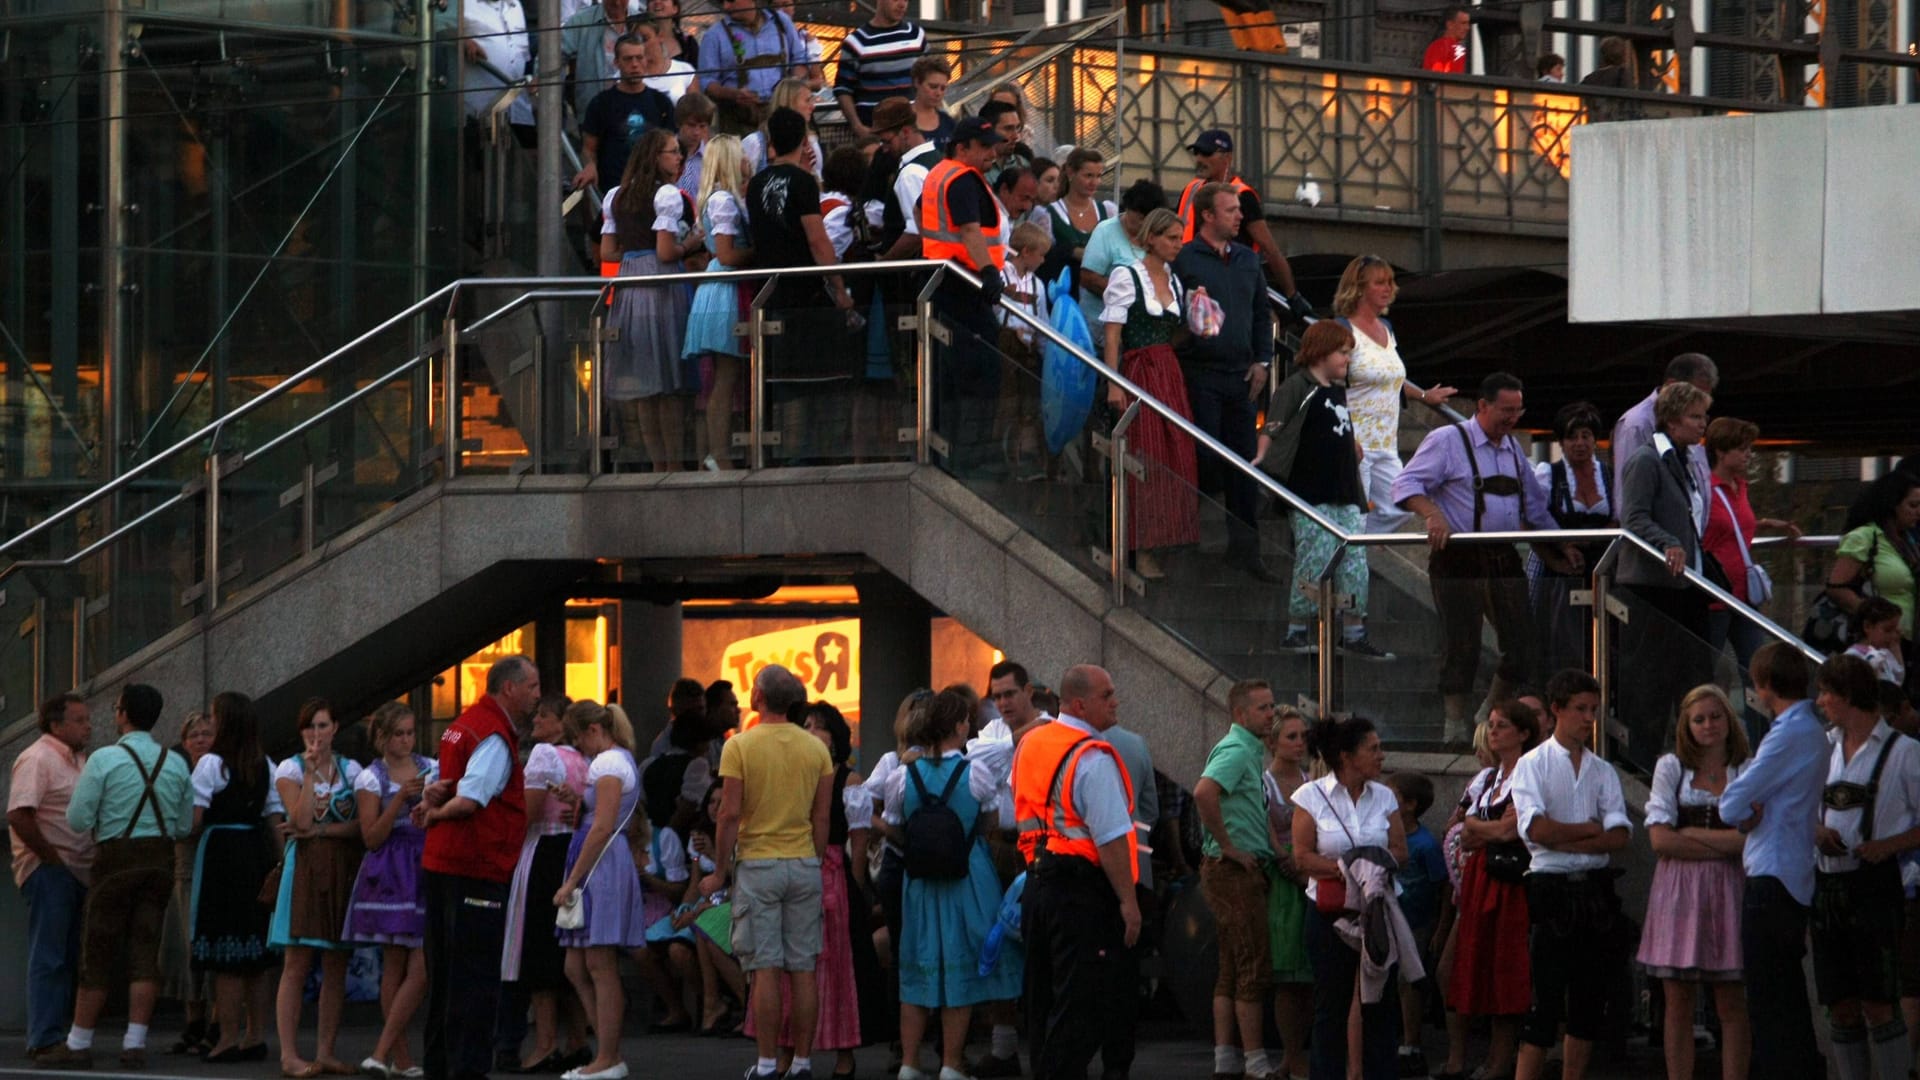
(1424, 885)
(693, 122)
(1019, 406)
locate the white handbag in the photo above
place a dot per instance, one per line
(573, 916)
(1759, 582)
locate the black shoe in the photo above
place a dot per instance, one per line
(1413, 1065)
(232, 1055)
(506, 1059)
(1364, 649)
(991, 1066)
(1298, 642)
(256, 1052)
(190, 1040)
(579, 1059)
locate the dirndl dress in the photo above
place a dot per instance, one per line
(1492, 970)
(229, 923)
(1692, 930)
(317, 881)
(388, 905)
(532, 955)
(1286, 903)
(944, 923)
(611, 901)
(1165, 505)
(716, 304)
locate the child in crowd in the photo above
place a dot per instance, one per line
(1424, 885)
(693, 120)
(1019, 407)
(1877, 625)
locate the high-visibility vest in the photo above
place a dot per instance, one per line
(939, 236)
(1186, 210)
(1044, 768)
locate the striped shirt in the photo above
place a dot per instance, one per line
(876, 64)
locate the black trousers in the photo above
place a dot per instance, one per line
(1082, 981)
(466, 925)
(966, 377)
(1474, 583)
(1573, 927)
(1222, 409)
(1335, 967)
(1773, 939)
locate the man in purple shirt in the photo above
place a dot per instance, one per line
(1475, 477)
(1635, 426)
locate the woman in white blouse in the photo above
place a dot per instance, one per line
(1578, 497)
(1347, 809)
(1692, 934)
(1377, 382)
(237, 818)
(316, 886)
(601, 864)
(647, 225)
(1144, 306)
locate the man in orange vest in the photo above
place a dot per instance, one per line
(1213, 161)
(961, 221)
(1079, 913)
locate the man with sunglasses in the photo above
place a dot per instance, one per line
(1476, 477)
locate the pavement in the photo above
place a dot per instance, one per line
(1165, 1050)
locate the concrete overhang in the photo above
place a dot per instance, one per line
(1807, 218)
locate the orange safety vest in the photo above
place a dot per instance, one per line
(939, 236)
(1044, 768)
(1186, 202)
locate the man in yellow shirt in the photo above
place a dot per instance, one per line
(776, 783)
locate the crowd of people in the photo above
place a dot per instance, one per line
(760, 885)
(999, 862)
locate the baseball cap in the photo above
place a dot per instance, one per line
(892, 113)
(1212, 142)
(975, 129)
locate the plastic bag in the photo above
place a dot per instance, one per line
(1006, 926)
(1066, 384)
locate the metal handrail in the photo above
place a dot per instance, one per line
(1301, 506)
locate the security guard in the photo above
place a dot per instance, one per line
(1213, 159)
(1079, 912)
(960, 220)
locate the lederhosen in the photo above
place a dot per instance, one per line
(1858, 914)
(1482, 560)
(127, 901)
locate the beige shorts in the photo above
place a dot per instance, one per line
(776, 914)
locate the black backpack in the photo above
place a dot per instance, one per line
(937, 845)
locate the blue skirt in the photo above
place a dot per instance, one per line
(716, 308)
(943, 925)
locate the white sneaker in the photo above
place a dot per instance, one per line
(379, 1070)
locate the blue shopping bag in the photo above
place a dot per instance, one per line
(1067, 386)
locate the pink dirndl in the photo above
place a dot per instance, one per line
(1693, 921)
(839, 1024)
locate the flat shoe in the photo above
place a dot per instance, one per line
(230, 1056)
(256, 1052)
(377, 1069)
(133, 1057)
(337, 1068)
(664, 1028)
(305, 1072)
(552, 1063)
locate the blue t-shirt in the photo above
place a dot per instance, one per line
(1420, 879)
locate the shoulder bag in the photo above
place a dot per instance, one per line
(1759, 582)
(1828, 627)
(574, 915)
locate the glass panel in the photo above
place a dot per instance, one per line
(143, 585)
(1662, 651)
(840, 382)
(1055, 489)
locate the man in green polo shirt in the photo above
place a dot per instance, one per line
(1232, 800)
(136, 799)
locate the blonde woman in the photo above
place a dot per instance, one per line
(602, 865)
(717, 305)
(179, 979)
(1692, 936)
(787, 94)
(1377, 382)
(1143, 306)
(1286, 890)
(389, 903)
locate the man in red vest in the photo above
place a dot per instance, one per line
(1080, 914)
(475, 816)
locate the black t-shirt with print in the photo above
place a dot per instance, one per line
(1324, 470)
(618, 119)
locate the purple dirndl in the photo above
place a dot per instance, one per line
(612, 906)
(388, 906)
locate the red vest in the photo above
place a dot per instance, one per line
(485, 845)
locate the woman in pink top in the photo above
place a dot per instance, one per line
(1731, 528)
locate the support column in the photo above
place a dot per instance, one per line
(896, 656)
(650, 652)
